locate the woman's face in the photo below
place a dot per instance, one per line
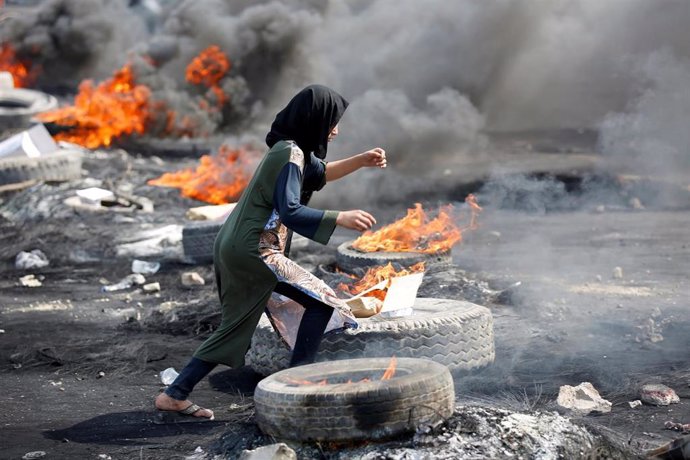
(333, 133)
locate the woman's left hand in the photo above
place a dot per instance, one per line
(375, 157)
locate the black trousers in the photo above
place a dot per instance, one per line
(309, 335)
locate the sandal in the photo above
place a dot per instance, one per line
(185, 415)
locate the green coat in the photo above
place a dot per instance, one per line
(244, 281)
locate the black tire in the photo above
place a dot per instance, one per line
(420, 393)
(197, 241)
(350, 260)
(19, 105)
(454, 333)
(59, 166)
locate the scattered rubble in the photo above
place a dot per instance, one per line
(31, 260)
(658, 395)
(30, 281)
(191, 279)
(279, 451)
(152, 287)
(125, 283)
(582, 399)
(682, 427)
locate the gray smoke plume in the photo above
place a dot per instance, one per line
(71, 40)
(425, 79)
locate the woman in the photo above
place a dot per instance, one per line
(249, 252)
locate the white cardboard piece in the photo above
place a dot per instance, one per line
(401, 293)
(211, 212)
(33, 142)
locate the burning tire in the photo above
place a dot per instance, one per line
(17, 106)
(197, 241)
(296, 403)
(349, 259)
(58, 166)
(455, 333)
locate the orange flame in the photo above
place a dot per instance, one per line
(390, 371)
(116, 107)
(375, 275)
(388, 374)
(416, 233)
(22, 72)
(207, 69)
(218, 179)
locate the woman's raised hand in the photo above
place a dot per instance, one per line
(375, 157)
(355, 220)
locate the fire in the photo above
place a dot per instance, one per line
(115, 107)
(375, 275)
(22, 72)
(388, 374)
(416, 233)
(217, 179)
(207, 69)
(390, 371)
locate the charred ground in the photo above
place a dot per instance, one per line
(80, 366)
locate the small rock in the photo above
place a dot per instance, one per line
(635, 203)
(658, 395)
(601, 208)
(279, 451)
(582, 399)
(101, 374)
(152, 287)
(634, 404)
(30, 281)
(34, 454)
(191, 279)
(599, 278)
(618, 273)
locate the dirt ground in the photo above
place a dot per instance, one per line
(79, 367)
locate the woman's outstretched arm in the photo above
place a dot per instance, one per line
(375, 157)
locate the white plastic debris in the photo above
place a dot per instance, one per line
(34, 454)
(168, 376)
(6, 80)
(634, 404)
(279, 451)
(95, 195)
(125, 283)
(30, 281)
(144, 267)
(582, 399)
(30, 260)
(191, 279)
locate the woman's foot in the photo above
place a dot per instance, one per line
(165, 402)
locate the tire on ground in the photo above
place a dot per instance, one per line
(420, 393)
(454, 333)
(197, 241)
(349, 259)
(59, 166)
(19, 105)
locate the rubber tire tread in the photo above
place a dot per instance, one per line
(349, 260)
(454, 333)
(59, 166)
(421, 393)
(197, 241)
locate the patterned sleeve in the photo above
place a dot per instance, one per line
(314, 174)
(309, 222)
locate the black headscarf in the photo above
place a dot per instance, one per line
(308, 119)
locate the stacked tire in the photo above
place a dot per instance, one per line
(455, 333)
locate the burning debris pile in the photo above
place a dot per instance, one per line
(417, 233)
(123, 106)
(23, 73)
(218, 179)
